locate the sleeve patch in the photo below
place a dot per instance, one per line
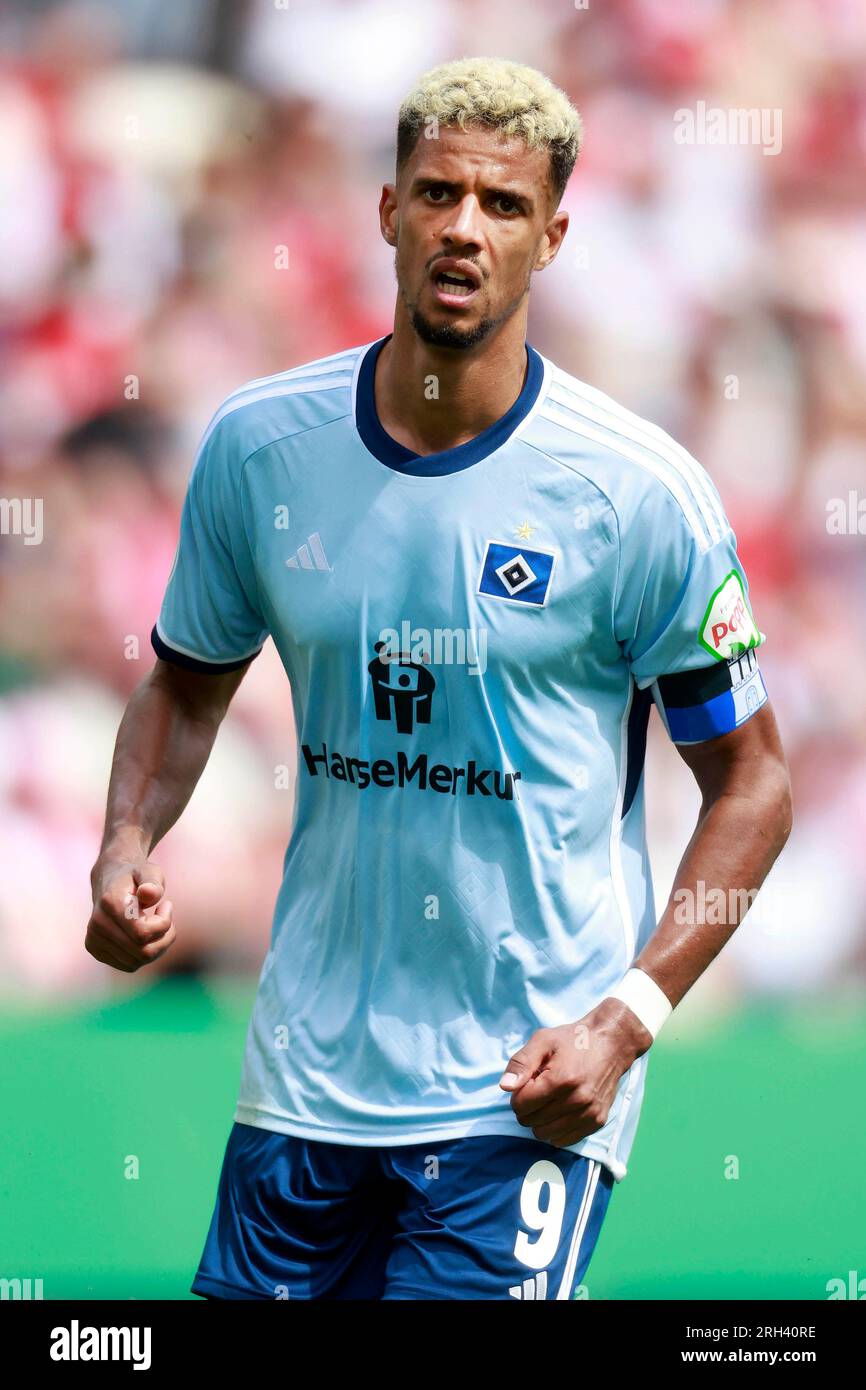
(728, 628)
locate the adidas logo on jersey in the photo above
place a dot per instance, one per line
(534, 1287)
(310, 556)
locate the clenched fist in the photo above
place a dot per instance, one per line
(563, 1080)
(130, 925)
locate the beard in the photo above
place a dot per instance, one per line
(453, 335)
(450, 335)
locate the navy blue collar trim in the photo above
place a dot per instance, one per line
(403, 460)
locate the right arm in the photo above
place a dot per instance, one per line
(163, 744)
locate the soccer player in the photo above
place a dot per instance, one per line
(480, 574)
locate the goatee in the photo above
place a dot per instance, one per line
(450, 335)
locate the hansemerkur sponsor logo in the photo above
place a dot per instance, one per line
(403, 691)
(400, 773)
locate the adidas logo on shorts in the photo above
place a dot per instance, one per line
(534, 1287)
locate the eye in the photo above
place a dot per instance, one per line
(510, 205)
(437, 188)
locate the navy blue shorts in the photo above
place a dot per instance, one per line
(481, 1217)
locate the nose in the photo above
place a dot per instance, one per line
(464, 225)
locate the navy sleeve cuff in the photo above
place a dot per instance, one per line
(194, 663)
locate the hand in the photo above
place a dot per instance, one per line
(130, 925)
(563, 1080)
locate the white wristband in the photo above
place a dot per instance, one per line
(644, 998)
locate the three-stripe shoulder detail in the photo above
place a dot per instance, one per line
(322, 366)
(327, 374)
(596, 417)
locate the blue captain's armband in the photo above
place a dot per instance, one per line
(702, 704)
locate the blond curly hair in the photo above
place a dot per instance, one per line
(510, 97)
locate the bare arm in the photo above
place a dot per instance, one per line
(563, 1089)
(744, 821)
(164, 741)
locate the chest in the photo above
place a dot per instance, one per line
(517, 559)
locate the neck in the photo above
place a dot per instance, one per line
(431, 399)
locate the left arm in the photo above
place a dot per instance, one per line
(563, 1080)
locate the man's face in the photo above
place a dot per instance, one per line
(470, 217)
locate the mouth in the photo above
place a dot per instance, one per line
(455, 284)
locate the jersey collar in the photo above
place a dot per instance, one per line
(403, 460)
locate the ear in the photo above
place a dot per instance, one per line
(388, 220)
(554, 234)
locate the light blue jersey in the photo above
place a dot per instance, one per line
(474, 641)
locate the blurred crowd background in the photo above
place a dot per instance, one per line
(155, 159)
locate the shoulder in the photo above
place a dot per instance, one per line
(645, 473)
(276, 407)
